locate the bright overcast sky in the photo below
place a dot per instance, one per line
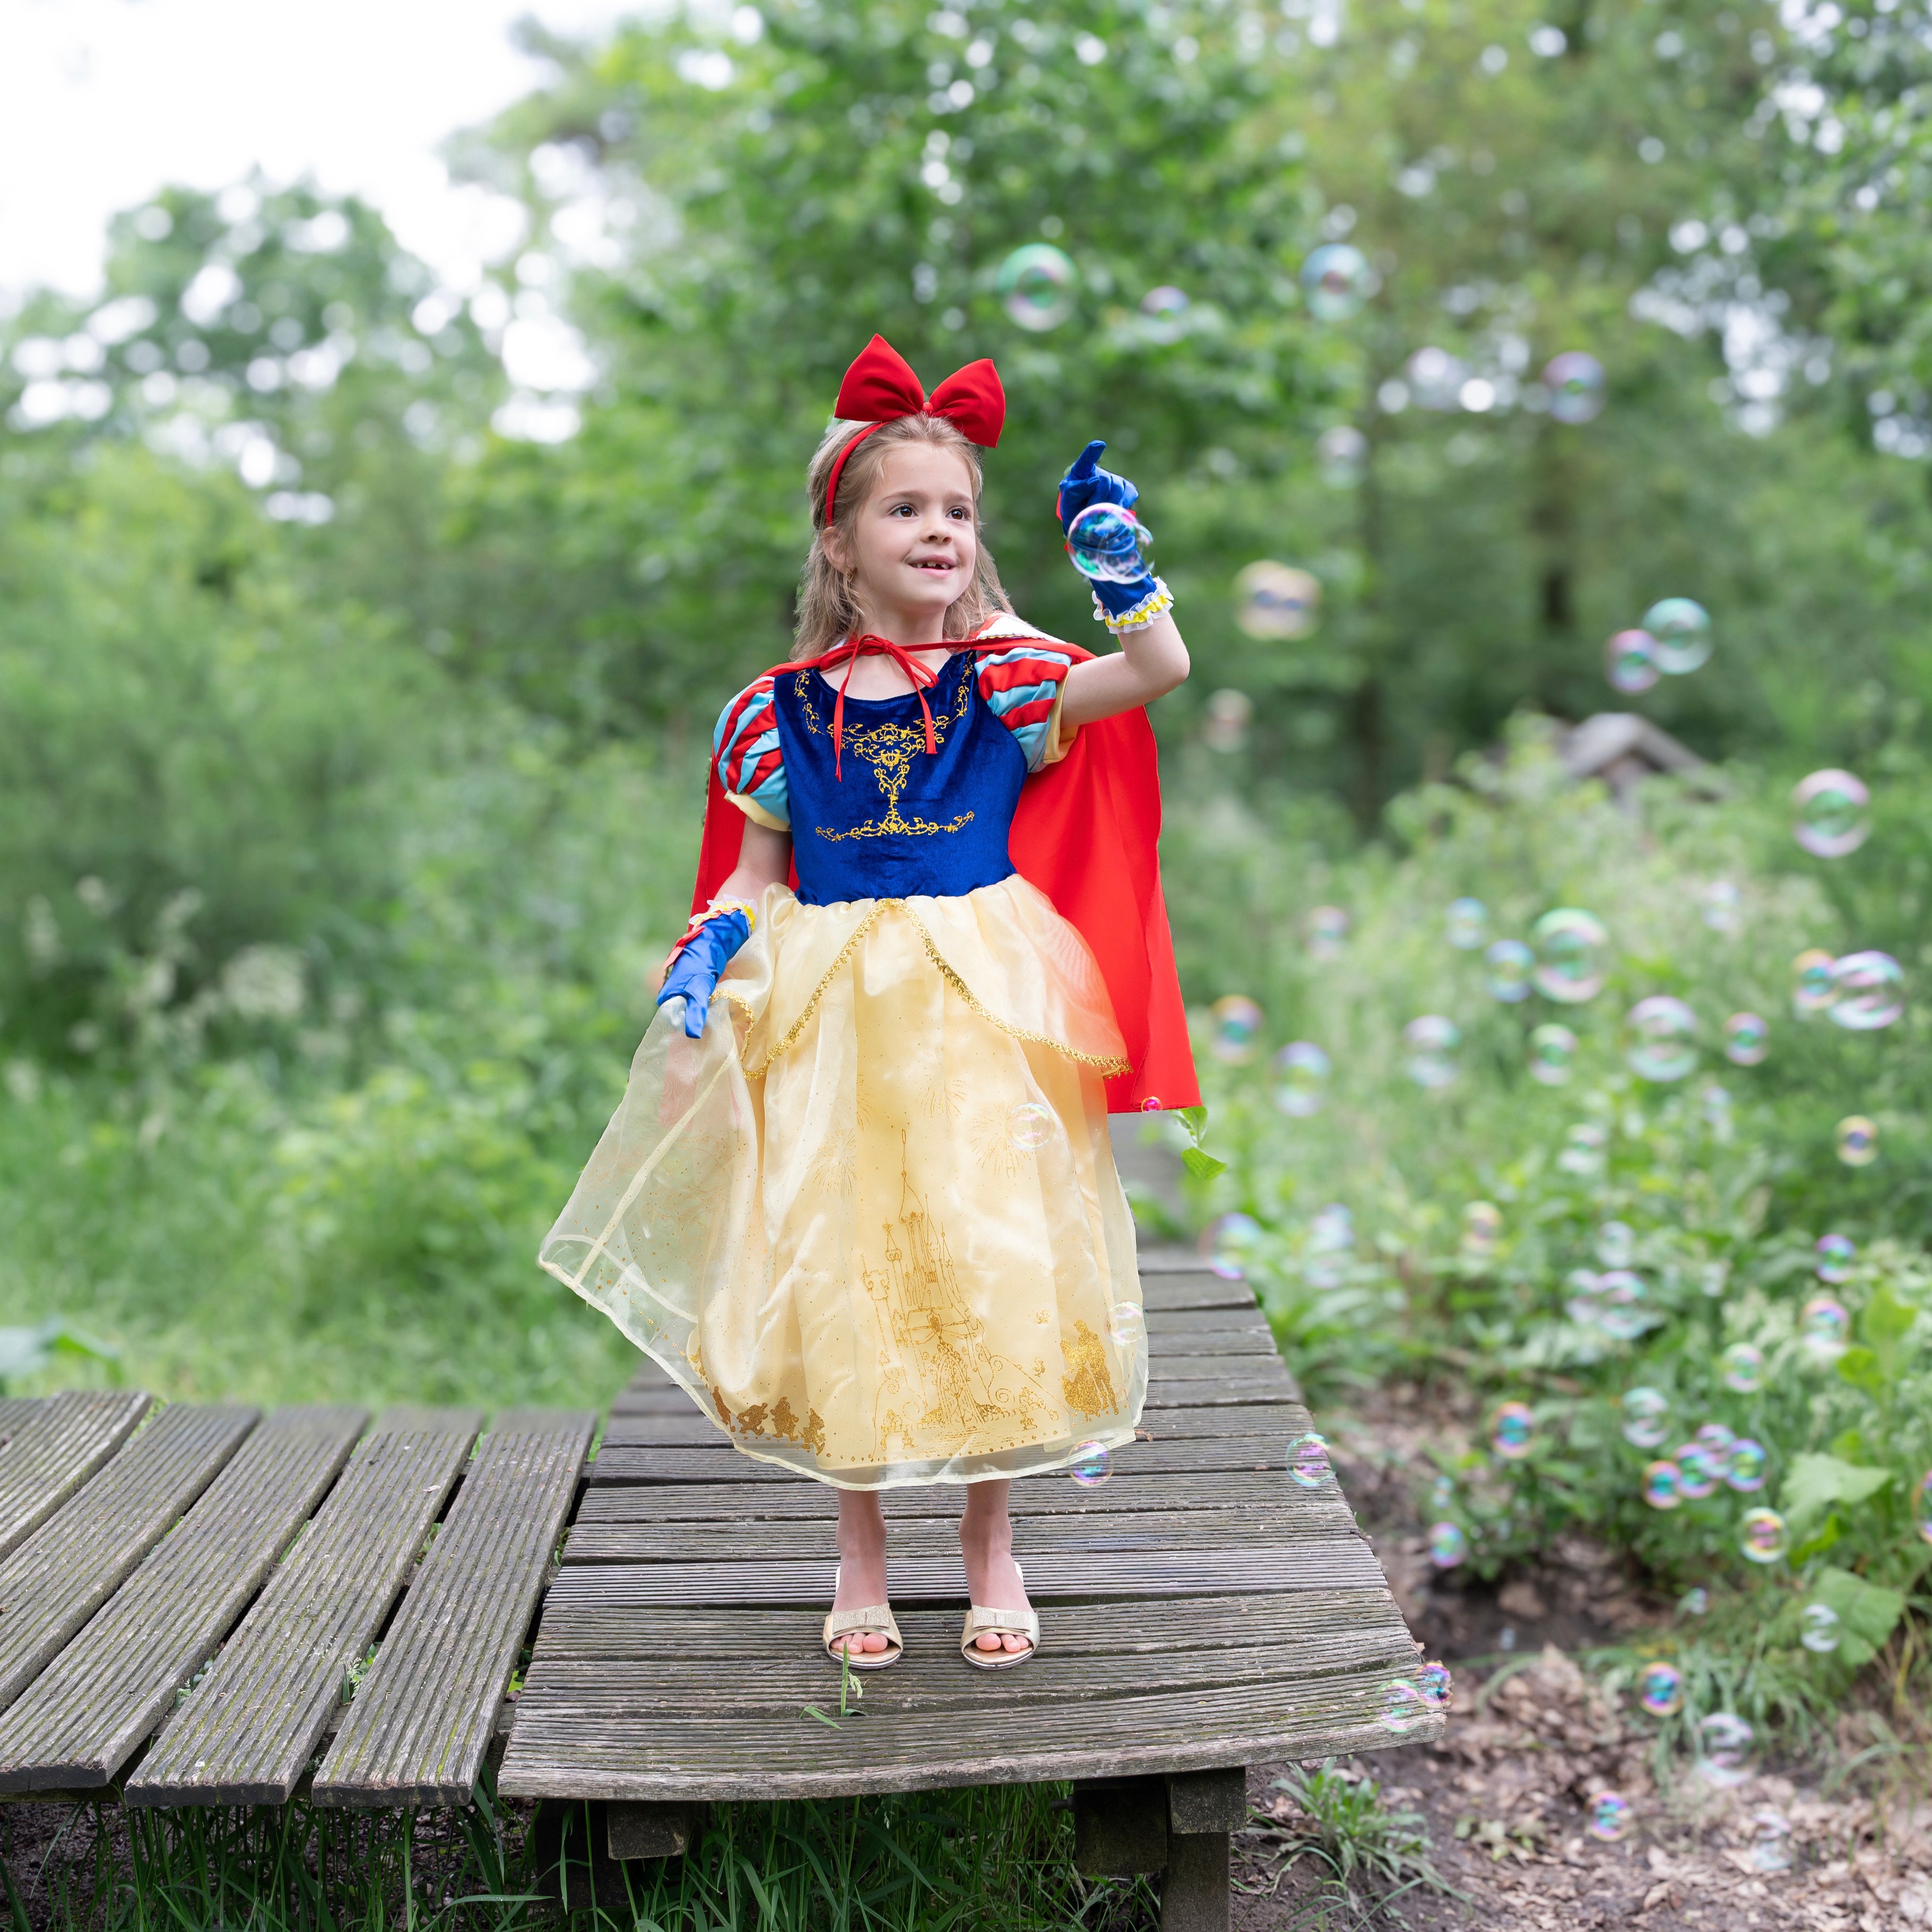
(102, 102)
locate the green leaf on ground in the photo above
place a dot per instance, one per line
(1867, 1612)
(1816, 1482)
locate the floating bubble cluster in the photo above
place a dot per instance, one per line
(1818, 1630)
(1091, 1464)
(1508, 965)
(1857, 1140)
(1833, 1257)
(1127, 1325)
(1336, 279)
(1513, 1430)
(1037, 285)
(1482, 1228)
(1747, 1039)
(1277, 600)
(1108, 544)
(1301, 1079)
(1030, 1125)
(1610, 1816)
(1237, 1023)
(1663, 1485)
(1630, 662)
(1746, 1468)
(1577, 386)
(1646, 1417)
(1867, 992)
(1342, 455)
(1811, 988)
(1725, 1743)
(1829, 811)
(1682, 629)
(1447, 1545)
(1552, 1055)
(1430, 1044)
(1465, 923)
(1660, 1689)
(1569, 945)
(1308, 1463)
(1824, 1327)
(1328, 932)
(1743, 1368)
(1660, 1039)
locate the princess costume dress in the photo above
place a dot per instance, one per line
(870, 1220)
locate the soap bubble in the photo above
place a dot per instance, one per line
(1615, 1243)
(1332, 1226)
(1660, 1039)
(1164, 313)
(1435, 378)
(1570, 948)
(1466, 922)
(1824, 1327)
(1716, 1102)
(1127, 1324)
(1761, 1536)
(1746, 1469)
(1724, 1745)
(1646, 1417)
(1662, 1485)
(1030, 1125)
(1336, 279)
(1585, 1290)
(1275, 600)
(1812, 991)
(1447, 1545)
(1682, 629)
(1577, 385)
(1820, 1629)
(1403, 1708)
(1482, 1228)
(1698, 1472)
(1743, 1368)
(1721, 901)
(1508, 964)
(1747, 1039)
(1037, 285)
(1660, 1689)
(1834, 1255)
(1301, 1083)
(1342, 454)
(1237, 1021)
(1620, 1312)
(1583, 1146)
(1921, 1506)
(1328, 932)
(1717, 1442)
(1867, 992)
(1434, 1681)
(1695, 1602)
(1108, 544)
(1610, 1816)
(1630, 661)
(1858, 1141)
(1552, 1055)
(1512, 1430)
(1429, 1048)
(1308, 1464)
(1229, 715)
(1771, 1842)
(1831, 808)
(1091, 1465)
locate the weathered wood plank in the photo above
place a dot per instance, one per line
(81, 1555)
(420, 1723)
(51, 1446)
(246, 1733)
(1166, 1292)
(86, 1714)
(1260, 1364)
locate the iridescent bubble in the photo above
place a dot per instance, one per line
(1812, 991)
(1570, 945)
(1725, 1742)
(1834, 1256)
(1577, 386)
(1126, 1323)
(1308, 1464)
(1857, 1140)
(1818, 1629)
(1342, 455)
(1747, 1466)
(1277, 600)
(1508, 965)
(1430, 1046)
(1824, 1327)
(1761, 1536)
(1237, 1021)
(1771, 1842)
(1646, 1417)
(1698, 1474)
(1830, 809)
(1513, 1430)
(1743, 1368)
(1164, 313)
(1036, 286)
(1328, 932)
(1433, 1681)
(1301, 1079)
(1465, 924)
(1620, 1312)
(1583, 1148)
(1682, 629)
(1615, 1243)
(1695, 1602)
(1552, 1055)
(1630, 661)
(1747, 1039)
(1336, 279)
(1660, 1689)
(1867, 992)
(1610, 1816)
(1660, 1039)
(1091, 1464)
(1585, 1289)
(1723, 905)
(1447, 1545)
(1482, 1228)
(1922, 1507)
(1108, 543)
(1229, 715)
(1029, 1126)
(1403, 1708)
(1435, 378)
(1717, 1442)
(1662, 1485)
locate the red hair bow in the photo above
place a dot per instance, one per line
(881, 387)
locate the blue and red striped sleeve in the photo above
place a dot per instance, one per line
(751, 766)
(1023, 688)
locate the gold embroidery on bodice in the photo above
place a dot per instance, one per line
(890, 749)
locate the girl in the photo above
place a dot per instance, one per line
(858, 1199)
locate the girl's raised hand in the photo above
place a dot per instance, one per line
(1086, 483)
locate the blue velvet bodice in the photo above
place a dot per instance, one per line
(899, 823)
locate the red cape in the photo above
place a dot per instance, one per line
(1087, 834)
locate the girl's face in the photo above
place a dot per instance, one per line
(913, 545)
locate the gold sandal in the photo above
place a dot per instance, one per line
(874, 1619)
(981, 1622)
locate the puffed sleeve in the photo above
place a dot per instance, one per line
(751, 766)
(1023, 688)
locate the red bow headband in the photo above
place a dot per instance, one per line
(880, 387)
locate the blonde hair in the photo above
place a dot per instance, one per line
(827, 609)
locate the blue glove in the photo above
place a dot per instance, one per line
(1084, 485)
(701, 955)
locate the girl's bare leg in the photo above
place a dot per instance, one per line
(986, 1543)
(862, 1565)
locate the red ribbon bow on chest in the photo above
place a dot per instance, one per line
(921, 680)
(881, 387)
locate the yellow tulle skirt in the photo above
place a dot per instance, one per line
(871, 1221)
